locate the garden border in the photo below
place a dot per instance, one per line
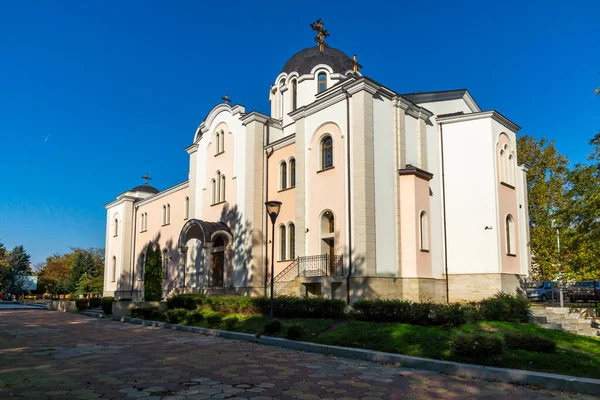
(542, 379)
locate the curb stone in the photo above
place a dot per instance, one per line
(543, 379)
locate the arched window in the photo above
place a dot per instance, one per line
(282, 243)
(222, 145)
(424, 231)
(294, 94)
(116, 227)
(168, 214)
(293, 172)
(326, 152)
(218, 186)
(292, 231)
(186, 208)
(218, 143)
(114, 268)
(502, 162)
(322, 81)
(165, 263)
(145, 221)
(142, 222)
(511, 239)
(164, 215)
(213, 188)
(222, 196)
(327, 223)
(282, 106)
(283, 176)
(511, 170)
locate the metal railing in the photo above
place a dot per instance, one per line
(321, 265)
(171, 286)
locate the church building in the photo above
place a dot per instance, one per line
(383, 195)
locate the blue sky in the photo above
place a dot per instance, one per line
(95, 94)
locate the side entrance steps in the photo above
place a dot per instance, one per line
(93, 312)
(573, 320)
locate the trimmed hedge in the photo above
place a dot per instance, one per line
(501, 307)
(272, 327)
(476, 346)
(106, 304)
(95, 302)
(82, 304)
(143, 312)
(295, 332)
(176, 315)
(285, 307)
(521, 341)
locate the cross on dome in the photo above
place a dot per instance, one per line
(321, 34)
(147, 178)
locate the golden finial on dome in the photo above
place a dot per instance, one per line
(321, 34)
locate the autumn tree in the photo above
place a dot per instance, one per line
(547, 196)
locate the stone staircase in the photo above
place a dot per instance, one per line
(93, 312)
(581, 321)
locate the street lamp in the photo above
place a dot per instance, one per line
(556, 225)
(273, 208)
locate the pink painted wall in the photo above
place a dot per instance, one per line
(166, 236)
(507, 204)
(414, 198)
(287, 197)
(326, 190)
(114, 244)
(223, 163)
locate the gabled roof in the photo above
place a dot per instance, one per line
(443, 95)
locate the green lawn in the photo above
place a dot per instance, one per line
(575, 355)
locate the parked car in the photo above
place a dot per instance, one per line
(584, 291)
(542, 291)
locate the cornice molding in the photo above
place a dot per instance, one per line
(210, 118)
(418, 172)
(254, 116)
(122, 198)
(496, 116)
(164, 193)
(191, 149)
(283, 142)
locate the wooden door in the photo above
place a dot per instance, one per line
(218, 268)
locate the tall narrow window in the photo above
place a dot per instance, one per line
(511, 172)
(283, 176)
(218, 186)
(218, 143)
(424, 231)
(326, 153)
(165, 262)
(292, 173)
(186, 208)
(145, 221)
(281, 84)
(164, 215)
(282, 243)
(322, 79)
(168, 213)
(116, 227)
(292, 230)
(141, 222)
(294, 94)
(222, 196)
(502, 162)
(213, 188)
(511, 240)
(114, 268)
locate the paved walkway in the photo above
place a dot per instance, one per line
(55, 355)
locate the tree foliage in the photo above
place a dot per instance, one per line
(63, 273)
(14, 266)
(153, 273)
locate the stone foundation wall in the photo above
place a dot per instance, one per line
(123, 308)
(474, 287)
(60, 305)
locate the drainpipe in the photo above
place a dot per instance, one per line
(266, 191)
(444, 209)
(349, 199)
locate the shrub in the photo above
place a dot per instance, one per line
(237, 304)
(293, 307)
(106, 304)
(125, 299)
(214, 319)
(157, 315)
(187, 301)
(82, 304)
(505, 307)
(523, 341)
(295, 332)
(143, 312)
(475, 346)
(176, 315)
(95, 302)
(193, 317)
(230, 321)
(272, 327)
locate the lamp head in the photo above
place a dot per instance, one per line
(273, 208)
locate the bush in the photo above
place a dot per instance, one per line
(504, 307)
(95, 302)
(295, 332)
(214, 319)
(187, 301)
(176, 315)
(193, 317)
(82, 304)
(272, 327)
(230, 322)
(475, 346)
(106, 304)
(143, 312)
(238, 304)
(158, 315)
(522, 341)
(125, 299)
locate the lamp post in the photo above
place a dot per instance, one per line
(556, 225)
(273, 208)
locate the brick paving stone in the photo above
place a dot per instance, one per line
(111, 360)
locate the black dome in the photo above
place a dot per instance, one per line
(305, 60)
(145, 188)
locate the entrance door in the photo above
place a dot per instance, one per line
(331, 259)
(217, 268)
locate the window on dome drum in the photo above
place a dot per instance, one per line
(282, 176)
(116, 227)
(114, 268)
(222, 195)
(326, 153)
(292, 230)
(292, 172)
(282, 243)
(186, 208)
(165, 262)
(322, 81)
(511, 239)
(424, 231)
(294, 95)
